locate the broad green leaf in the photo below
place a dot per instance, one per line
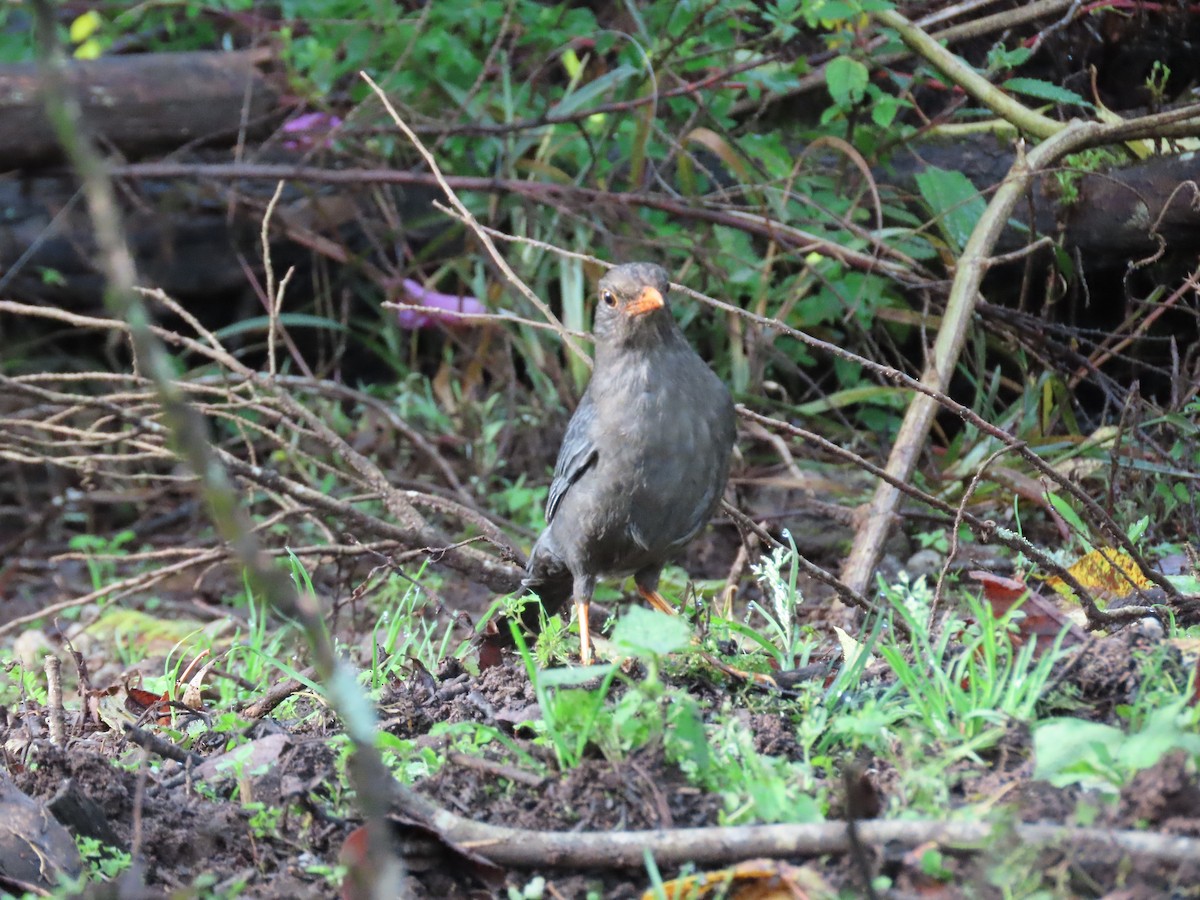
(834, 11)
(1167, 728)
(884, 109)
(1075, 751)
(647, 632)
(954, 201)
(846, 79)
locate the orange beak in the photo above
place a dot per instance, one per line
(648, 301)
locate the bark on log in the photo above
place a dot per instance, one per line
(138, 104)
(1118, 216)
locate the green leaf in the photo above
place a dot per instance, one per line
(1074, 751)
(834, 11)
(647, 632)
(1000, 57)
(1064, 509)
(1167, 728)
(954, 201)
(879, 395)
(685, 738)
(593, 90)
(287, 320)
(1138, 528)
(1044, 90)
(846, 79)
(884, 110)
(568, 677)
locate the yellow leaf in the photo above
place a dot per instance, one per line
(1107, 573)
(85, 26)
(90, 49)
(572, 63)
(851, 649)
(755, 879)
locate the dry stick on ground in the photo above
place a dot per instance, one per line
(189, 433)
(715, 846)
(868, 542)
(276, 694)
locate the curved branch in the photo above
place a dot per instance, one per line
(978, 87)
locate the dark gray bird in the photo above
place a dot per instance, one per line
(645, 458)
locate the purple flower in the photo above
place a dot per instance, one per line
(310, 130)
(427, 307)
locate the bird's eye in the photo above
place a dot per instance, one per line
(608, 298)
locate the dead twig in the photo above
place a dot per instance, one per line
(276, 695)
(717, 846)
(497, 769)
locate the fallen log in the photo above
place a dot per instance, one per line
(140, 104)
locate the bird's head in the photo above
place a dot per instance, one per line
(632, 304)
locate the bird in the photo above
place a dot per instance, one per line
(645, 457)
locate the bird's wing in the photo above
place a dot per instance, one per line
(576, 456)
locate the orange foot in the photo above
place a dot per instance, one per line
(655, 599)
(585, 633)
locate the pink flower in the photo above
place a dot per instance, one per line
(310, 130)
(426, 307)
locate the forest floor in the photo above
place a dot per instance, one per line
(263, 809)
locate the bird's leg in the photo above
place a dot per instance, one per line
(655, 599)
(582, 591)
(585, 632)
